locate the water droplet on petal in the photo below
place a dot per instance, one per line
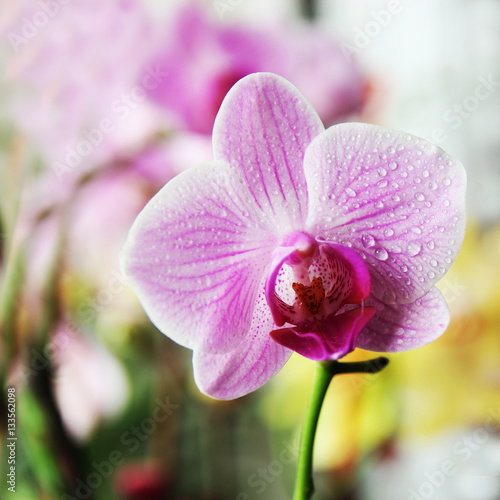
(381, 254)
(416, 230)
(425, 173)
(430, 244)
(350, 192)
(446, 202)
(382, 171)
(413, 248)
(396, 198)
(389, 297)
(419, 196)
(433, 186)
(431, 274)
(368, 240)
(382, 183)
(446, 181)
(379, 204)
(393, 165)
(404, 268)
(388, 232)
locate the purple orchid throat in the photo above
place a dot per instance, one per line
(297, 238)
(309, 282)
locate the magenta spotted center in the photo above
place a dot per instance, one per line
(309, 283)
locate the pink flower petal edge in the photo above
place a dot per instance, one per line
(402, 327)
(248, 366)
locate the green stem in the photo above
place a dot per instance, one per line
(13, 279)
(304, 486)
(325, 371)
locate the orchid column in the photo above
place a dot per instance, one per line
(297, 238)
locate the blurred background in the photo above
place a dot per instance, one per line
(101, 103)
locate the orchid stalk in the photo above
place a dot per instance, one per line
(297, 239)
(325, 371)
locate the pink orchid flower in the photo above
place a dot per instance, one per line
(297, 238)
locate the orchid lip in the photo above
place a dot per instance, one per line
(327, 339)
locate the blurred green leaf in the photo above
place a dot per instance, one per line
(33, 431)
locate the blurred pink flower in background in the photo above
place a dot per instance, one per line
(204, 59)
(79, 85)
(101, 212)
(165, 159)
(90, 383)
(75, 87)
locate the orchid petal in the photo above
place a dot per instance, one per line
(401, 327)
(248, 366)
(331, 339)
(263, 129)
(196, 255)
(397, 199)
